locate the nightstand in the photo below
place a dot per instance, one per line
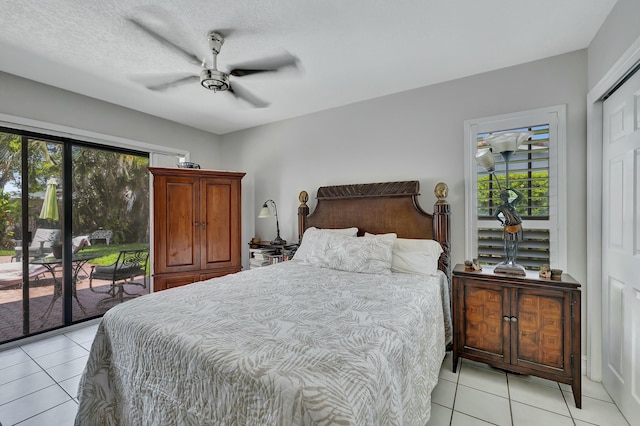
(264, 253)
(526, 325)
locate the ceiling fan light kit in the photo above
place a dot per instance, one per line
(214, 80)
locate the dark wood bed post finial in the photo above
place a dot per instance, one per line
(303, 212)
(442, 227)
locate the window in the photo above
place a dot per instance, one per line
(533, 170)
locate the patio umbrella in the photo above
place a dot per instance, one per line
(50, 204)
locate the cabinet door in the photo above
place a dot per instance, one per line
(177, 238)
(484, 332)
(220, 224)
(541, 334)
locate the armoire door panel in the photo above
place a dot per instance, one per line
(217, 231)
(182, 233)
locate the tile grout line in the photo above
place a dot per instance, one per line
(56, 383)
(31, 393)
(506, 376)
(51, 408)
(461, 364)
(47, 372)
(455, 394)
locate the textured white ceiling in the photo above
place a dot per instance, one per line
(350, 50)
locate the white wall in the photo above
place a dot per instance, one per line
(416, 134)
(27, 99)
(614, 37)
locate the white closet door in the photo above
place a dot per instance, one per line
(621, 247)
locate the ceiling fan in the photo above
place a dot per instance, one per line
(210, 77)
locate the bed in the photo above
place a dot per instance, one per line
(292, 343)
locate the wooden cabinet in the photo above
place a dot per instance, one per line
(528, 325)
(197, 224)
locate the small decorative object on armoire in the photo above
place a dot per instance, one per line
(188, 165)
(545, 272)
(197, 220)
(506, 143)
(266, 212)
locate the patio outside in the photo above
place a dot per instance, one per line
(110, 213)
(95, 301)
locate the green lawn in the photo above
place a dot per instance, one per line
(109, 253)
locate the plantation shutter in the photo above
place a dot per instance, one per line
(529, 174)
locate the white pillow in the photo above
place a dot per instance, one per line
(431, 247)
(303, 251)
(370, 255)
(415, 256)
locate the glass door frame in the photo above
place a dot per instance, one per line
(67, 145)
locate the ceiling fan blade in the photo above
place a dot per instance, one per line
(190, 56)
(173, 83)
(240, 92)
(162, 82)
(270, 64)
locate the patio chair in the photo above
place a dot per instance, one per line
(40, 245)
(46, 247)
(101, 234)
(130, 264)
(11, 274)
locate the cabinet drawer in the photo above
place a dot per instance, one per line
(219, 273)
(164, 282)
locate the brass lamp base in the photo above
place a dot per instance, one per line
(278, 241)
(510, 268)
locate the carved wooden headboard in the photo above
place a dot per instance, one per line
(380, 208)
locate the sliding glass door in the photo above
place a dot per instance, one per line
(68, 212)
(110, 227)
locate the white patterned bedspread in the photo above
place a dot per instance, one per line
(283, 345)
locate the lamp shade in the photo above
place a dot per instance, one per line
(264, 212)
(484, 158)
(508, 141)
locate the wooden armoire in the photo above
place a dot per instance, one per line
(196, 225)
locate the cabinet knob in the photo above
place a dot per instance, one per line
(505, 318)
(196, 224)
(514, 319)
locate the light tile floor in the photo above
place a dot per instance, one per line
(479, 395)
(39, 381)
